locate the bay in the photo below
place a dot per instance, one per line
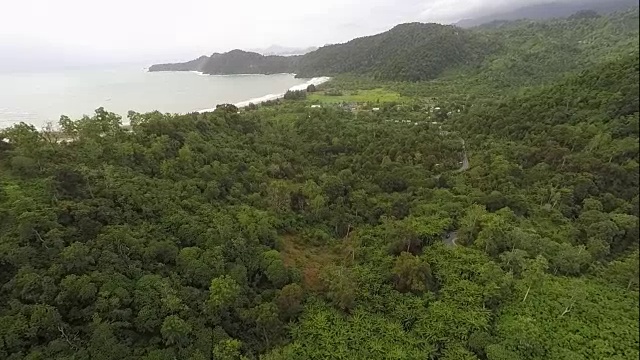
(40, 97)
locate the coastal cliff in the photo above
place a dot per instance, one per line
(234, 62)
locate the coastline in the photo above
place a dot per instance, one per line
(220, 75)
(40, 116)
(269, 97)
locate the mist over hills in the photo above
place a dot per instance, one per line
(407, 52)
(556, 9)
(283, 50)
(413, 51)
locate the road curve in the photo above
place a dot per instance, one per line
(465, 159)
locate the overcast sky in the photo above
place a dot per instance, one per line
(146, 30)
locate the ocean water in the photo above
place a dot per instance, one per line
(38, 98)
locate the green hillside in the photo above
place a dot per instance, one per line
(524, 51)
(242, 62)
(234, 62)
(408, 52)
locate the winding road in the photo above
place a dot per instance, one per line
(450, 237)
(465, 159)
(465, 162)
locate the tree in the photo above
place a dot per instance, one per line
(223, 292)
(412, 274)
(584, 14)
(228, 350)
(289, 301)
(341, 286)
(175, 331)
(295, 95)
(227, 108)
(274, 268)
(624, 272)
(514, 261)
(498, 352)
(104, 345)
(534, 274)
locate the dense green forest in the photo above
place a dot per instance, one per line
(242, 62)
(506, 54)
(408, 52)
(234, 62)
(491, 213)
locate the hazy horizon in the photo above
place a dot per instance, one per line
(68, 33)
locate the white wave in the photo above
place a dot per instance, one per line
(315, 81)
(259, 100)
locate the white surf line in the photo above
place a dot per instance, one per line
(314, 81)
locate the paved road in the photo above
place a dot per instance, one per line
(450, 238)
(465, 160)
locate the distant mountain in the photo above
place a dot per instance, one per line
(234, 62)
(283, 50)
(414, 51)
(411, 52)
(193, 65)
(550, 10)
(244, 62)
(417, 51)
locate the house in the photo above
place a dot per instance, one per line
(376, 109)
(316, 106)
(349, 107)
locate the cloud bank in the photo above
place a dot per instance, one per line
(146, 30)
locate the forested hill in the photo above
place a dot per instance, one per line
(243, 62)
(407, 52)
(234, 62)
(550, 10)
(416, 51)
(193, 65)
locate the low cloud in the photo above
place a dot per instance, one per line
(144, 29)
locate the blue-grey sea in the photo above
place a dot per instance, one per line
(41, 97)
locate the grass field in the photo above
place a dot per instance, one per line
(360, 96)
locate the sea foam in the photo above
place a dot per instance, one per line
(314, 81)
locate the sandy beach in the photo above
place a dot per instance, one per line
(314, 81)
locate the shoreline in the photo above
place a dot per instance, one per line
(270, 97)
(4, 124)
(221, 75)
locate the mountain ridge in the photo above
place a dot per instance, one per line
(277, 50)
(231, 63)
(381, 54)
(556, 9)
(407, 52)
